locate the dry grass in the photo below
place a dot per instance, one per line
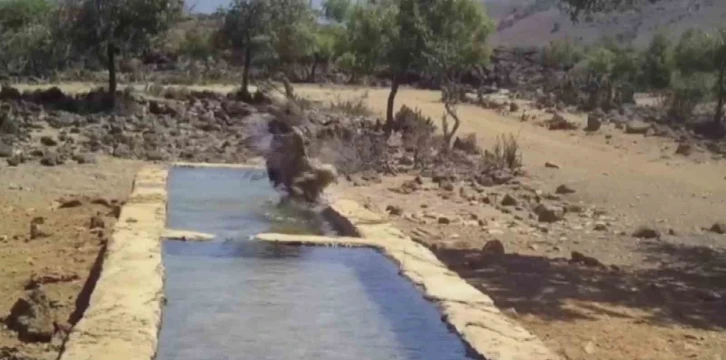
(506, 153)
(351, 106)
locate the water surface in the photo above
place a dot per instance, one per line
(239, 299)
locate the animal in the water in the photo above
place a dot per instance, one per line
(291, 170)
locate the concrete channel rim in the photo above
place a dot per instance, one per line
(123, 318)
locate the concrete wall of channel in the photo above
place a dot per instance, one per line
(123, 318)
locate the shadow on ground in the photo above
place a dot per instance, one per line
(676, 284)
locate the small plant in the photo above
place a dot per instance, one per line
(354, 107)
(506, 154)
(154, 89)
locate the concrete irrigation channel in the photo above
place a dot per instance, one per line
(251, 280)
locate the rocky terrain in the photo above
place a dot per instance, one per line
(537, 22)
(585, 230)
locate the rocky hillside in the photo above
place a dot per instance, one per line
(536, 22)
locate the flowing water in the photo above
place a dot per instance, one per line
(234, 298)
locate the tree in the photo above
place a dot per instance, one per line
(125, 26)
(282, 29)
(562, 54)
(292, 31)
(657, 63)
(367, 34)
(245, 27)
(337, 10)
(699, 54)
(458, 31)
(17, 14)
(719, 57)
(444, 36)
(324, 49)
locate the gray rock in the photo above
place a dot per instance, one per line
(493, 247)
(684, 149)
(549, 214)
(48, 141)
(15, 160)
(509, 200)
(85, 158)
(594, 122)
(31, 317)
(122, 151)
(6, 150)
(637, 127)
(646, 232)
(718, 228)
(551, 165)
(394, 210)
(51, 159)
(564, 189)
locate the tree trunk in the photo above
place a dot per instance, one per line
(718, 117)
(391, 101)
(111, 55)
(312, 71)
(246, 73)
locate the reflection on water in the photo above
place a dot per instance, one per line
(233, 203)
(250, 300)
(239, 299)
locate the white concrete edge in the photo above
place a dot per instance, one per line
(257, 164)
(186, 235)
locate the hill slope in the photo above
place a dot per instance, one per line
(536, 22)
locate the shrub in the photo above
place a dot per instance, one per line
(353, 107)
(506, 154)
(562, 54)
(687, 92)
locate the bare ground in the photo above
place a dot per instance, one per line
(63, 257)
(662, 299)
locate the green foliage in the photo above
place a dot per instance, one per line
(129, 25)
(292, 30)
(562, 54)
(33, 40)
(687, 92)
(658, 63)
(695, 52)
(197, 44)
(367, 36)
(16, 14)
(337, 10)
(245, 24)
(600, 61)
(459, 32)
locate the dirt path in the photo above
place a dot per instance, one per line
(632, 175)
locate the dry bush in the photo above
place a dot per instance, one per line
(353, 107)
(154, 89)
(468, 144)
(364, 151)
(506, 154)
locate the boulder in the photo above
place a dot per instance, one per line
(549, 213)
(31, 317)
(646, 232)
(637, 127)
(594, 122)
